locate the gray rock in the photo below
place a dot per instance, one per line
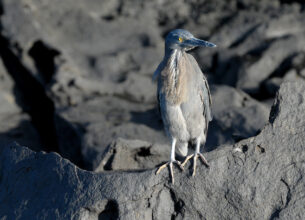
(235, 116)
(125, 39)
(125, 154)
(302, 73)
(16, 125)
(108, 50)
(292, 76)
(280, 51)
(272, 85)
(103, 119)
(95, 54)
(254, 46)
(257, 178)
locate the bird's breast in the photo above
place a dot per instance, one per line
(175, 79)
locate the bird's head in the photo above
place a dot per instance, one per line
(183, 40)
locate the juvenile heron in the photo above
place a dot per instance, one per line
(184, 97)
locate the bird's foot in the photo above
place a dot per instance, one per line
(194, 156)
(170, 165)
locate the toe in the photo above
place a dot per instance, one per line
(161, 168)
(204, 161)
(187, 159)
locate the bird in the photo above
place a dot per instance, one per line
(184, 98)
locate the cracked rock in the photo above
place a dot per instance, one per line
(258, 178)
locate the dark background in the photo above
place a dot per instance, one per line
(75, 75)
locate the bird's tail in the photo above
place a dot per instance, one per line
(182, 149)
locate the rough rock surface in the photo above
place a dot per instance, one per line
(258, 178)
(16, 125)
(235, 116)
(125, 154)
(102, 120)
(85, 67)
(75, 78)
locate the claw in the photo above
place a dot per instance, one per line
(204, 161)
(187, 159)
(179, 165)
(195, 156)
(170, 164)
(194, 164)
(161, 168)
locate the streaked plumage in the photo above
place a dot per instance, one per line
(183, 94)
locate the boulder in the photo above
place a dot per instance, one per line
(103, 119)
(257, 178)
(83, 36)
(89, 59)
(273, 60)
(100, 121)
(124, 154)
(235, 116)
(254, 46)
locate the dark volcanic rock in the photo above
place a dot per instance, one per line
(16, 125)
(82, 75)
(94, 41)
(235, 116)
(84, 53)
(277, 54)
(258, 178)
(104, 119)
(125, 154)
(254, 46)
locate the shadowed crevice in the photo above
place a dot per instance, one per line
(44, 59)
(55, 134)
(111, 211)
(179, 206)
(31, 97)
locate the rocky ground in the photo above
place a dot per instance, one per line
(75, 78)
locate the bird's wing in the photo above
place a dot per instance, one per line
(204, 89)
(207, 99)
(156, 77)
(158, 71)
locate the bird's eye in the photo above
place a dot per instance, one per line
(180, 39)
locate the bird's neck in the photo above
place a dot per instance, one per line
(169, 53)
(173, 58)
(175, 74)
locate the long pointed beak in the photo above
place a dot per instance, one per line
(195, 42)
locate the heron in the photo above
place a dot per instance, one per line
(184, 98)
